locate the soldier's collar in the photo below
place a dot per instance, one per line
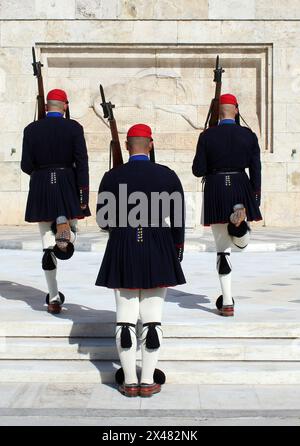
(139, 157)
(227, 121)
(54, 114)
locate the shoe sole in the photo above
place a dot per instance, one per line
(54, 312)
(226, 314)
(149, 394)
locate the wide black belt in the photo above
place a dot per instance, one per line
(226, 171)
(54, 166)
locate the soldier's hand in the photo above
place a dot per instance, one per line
(83, 206)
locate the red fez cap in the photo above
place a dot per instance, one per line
(228, 99)
(141, 130)
(57, 95)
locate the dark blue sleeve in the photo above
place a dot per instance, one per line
(200, 164)
(255, 169)
(177, 213)
(27, 165)
(81, 163)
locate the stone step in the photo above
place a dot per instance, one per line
(223, 328)
(180, 349)
(187, 372)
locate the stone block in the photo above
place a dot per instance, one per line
(98, 142)
(164, 141)
(16, 9)
(11, 60)
(12, 208)
(95, 9)
(293, 123)
(280, 117)
(24, 34)
(243, 32)
(184, 171)
(277, 10)
(92, 31)
(10, 176)
(172, 9)
(19, 88)
(96, 171)
(100, 156)
(164, 156)
(187, 141)
(55, 9)
(199, 32)
(11, 146)
(282, 209)
(24, 181)
(284, 144)
(184, 156)
(293, 177)
(274, 177)
(11, 117)
(286, 90)
(231, 9)
(282, 33)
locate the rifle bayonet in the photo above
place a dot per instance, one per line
(37, 66)
(106, 106)
(115, 147)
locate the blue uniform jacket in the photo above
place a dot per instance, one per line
(228, 147)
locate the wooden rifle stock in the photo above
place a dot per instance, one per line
(37, 71)
(213, 113)
(115, 147)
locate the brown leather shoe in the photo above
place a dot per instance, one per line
(63, 235)
(147, 390)
(227, 310)
(54, 308)
(130, 390)
(238, 215)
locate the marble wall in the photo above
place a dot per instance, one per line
(155, 60)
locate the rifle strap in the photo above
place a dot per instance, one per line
(36, 108)
(208, 115)
(110, 153)
(244, 121)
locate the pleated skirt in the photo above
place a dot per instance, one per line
(144, 260)
(53, 193)
(222, 192)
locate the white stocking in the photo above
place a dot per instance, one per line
(127, 305)
(151, 307)
(48, 241)
(223, 243)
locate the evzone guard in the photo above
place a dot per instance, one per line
(55, 156)
(231, 198)
(141, 261)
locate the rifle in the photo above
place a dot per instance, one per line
(213, 113)
(37, 71)
(115, 152)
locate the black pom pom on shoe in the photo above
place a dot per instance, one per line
(238, 231)
(158, 376)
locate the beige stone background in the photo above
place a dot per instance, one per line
(155, 60)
